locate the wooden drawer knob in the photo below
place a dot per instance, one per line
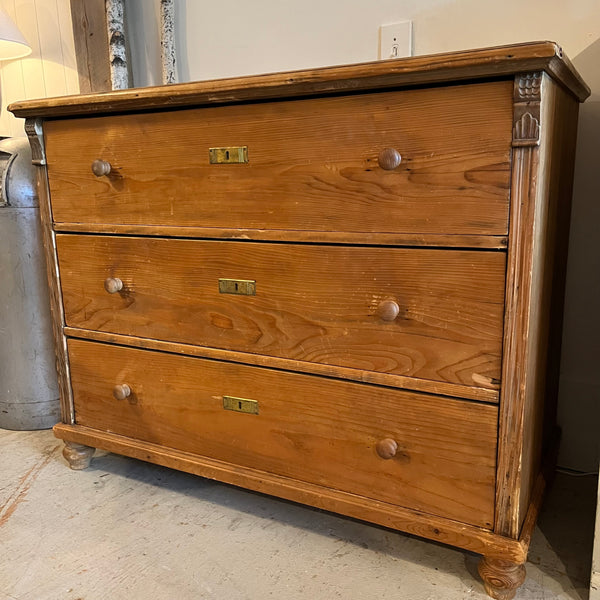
(121, 391)
(388, 310)
(389, 159)
(100, 167)
(387, 448)
(113, 285)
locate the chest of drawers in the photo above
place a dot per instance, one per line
(342, 286)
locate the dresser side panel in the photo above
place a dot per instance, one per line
(540, 205)
(36, 139)
(555, 189)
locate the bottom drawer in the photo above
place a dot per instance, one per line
(307, 427)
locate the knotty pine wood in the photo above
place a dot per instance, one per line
(313, 303)
(411, 383)
(541, 198)
(308, 428)
(489, 242)
(505, 574)
(312, 164)
(501, 577)
(417, 70)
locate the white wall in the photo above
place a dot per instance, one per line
(225, 39)
(51, 68)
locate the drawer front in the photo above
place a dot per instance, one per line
(312, 164)
(424, 313)
(307, 428)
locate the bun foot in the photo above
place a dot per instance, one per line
(78, 456)
(501, 578)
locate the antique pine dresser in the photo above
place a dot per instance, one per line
(340, 286)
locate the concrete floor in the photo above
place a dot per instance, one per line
(128, 530)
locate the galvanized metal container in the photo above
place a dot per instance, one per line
(28, 385)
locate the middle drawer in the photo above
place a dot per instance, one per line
(425, 313)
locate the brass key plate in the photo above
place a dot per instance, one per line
(229, 155)
(242, 287)
(240, 405)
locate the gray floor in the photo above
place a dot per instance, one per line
(124, 529)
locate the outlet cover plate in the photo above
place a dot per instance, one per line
(395, 40)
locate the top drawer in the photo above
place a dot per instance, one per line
(312, 164)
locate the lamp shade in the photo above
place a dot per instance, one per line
(12, 42)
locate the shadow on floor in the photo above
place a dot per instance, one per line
(566, 531)
(562, 545)
(345, 530)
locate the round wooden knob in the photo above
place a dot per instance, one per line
(121, 391)
(387, 448)
(389, 159)
(388, 310)
(113, 285)
(100, 167)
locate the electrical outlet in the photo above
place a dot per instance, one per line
(395, 40)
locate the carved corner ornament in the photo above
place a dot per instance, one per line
(35, 133)
(526, 131)
(528, 87)
(526, 117)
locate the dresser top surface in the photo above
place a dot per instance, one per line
(500, 61)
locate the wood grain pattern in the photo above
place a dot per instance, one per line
(542, 482)
(489, 242)
(410, 383)
(417, 523)
(501, 577)
(308, 428)
(49, 241)
(312, 165)
(542, 181)
(417, 70)
(91, 45)
(350, 302)
(518, 305)
(313, 303)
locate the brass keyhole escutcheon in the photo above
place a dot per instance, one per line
(229, 155)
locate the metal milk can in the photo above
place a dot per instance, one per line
(28, 384)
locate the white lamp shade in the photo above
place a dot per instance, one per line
(12, 42)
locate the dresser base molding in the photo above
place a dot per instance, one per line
(445, 531)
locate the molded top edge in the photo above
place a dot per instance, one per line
(463, 65)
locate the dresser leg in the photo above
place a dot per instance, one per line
(501, 578)
(78, 456)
